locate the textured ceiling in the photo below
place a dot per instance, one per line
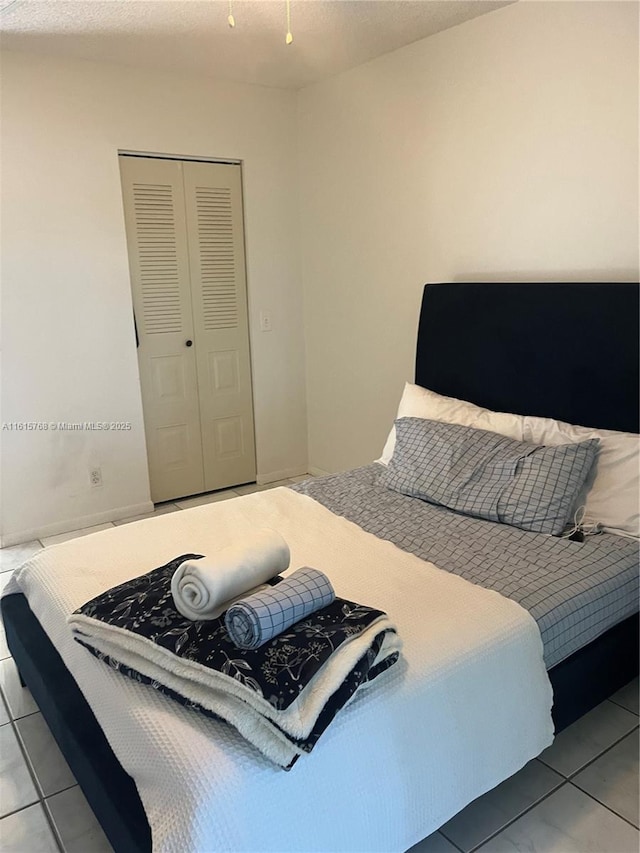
(330, 36)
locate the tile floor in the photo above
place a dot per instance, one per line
(578, 796)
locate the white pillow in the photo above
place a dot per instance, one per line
(614, 498)
(418, 402)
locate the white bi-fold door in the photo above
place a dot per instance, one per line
(185, 238)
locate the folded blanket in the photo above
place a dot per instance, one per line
(259, 617)
(202, 589)
(280, 697)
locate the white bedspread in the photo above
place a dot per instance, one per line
(467, 705)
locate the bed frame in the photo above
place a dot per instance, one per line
(563, 351)
(567, 351)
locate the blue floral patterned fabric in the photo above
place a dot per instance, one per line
(363, 671)
(278, 671)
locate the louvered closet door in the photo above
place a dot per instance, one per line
(154, 207)
(213, 195)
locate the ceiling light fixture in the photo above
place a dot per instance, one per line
(288, 39)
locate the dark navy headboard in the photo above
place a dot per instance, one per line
(563, 351)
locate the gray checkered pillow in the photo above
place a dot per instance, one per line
(487, 475)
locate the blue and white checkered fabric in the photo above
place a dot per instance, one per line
(574, 590)
(254, 620)
(487, 475)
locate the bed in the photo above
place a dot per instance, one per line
(502, 366)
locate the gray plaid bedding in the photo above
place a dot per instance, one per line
(574, 590)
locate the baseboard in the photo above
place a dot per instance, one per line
(8, 539)
(318, 472)
(274, 476)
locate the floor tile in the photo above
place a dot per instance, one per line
(212, 497)
(27, 831)
(250, 489)
(16, 785)
(568, 821)
(52, 772)
(74, 534)
(5, 577)
(4, 648)
(485, 816)
(4, 714)
(277, 483)
(76, 824)
(585, 739)
(434, 843)
(628, 696)
(11, 558)
(161, 509)
(19, 700)
(613, 778)
(301, 479)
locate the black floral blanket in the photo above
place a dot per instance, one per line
(281, 696)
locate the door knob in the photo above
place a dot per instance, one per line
(188, 343)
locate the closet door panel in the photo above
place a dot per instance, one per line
(213, 196)
(154, 206)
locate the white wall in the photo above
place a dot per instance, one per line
(505, 148)
(69, 349)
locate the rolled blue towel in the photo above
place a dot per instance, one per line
(259, 617)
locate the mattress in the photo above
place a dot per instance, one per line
(575, 591)
(467, 705)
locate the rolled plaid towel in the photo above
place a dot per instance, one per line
(254, 620)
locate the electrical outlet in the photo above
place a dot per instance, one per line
(265, 321)
(95, 476)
